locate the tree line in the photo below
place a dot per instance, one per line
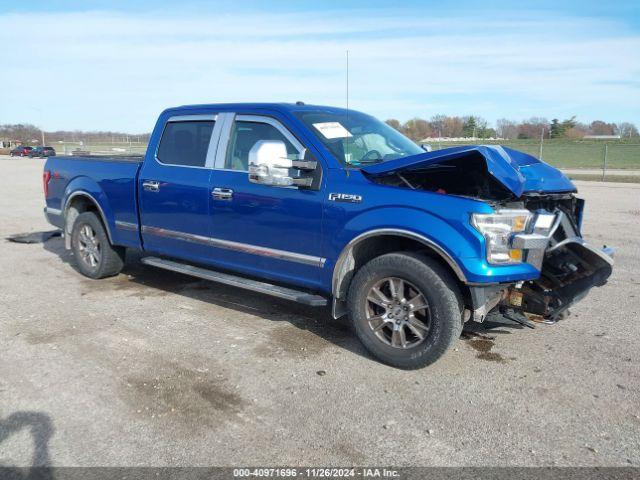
(28, 134)
(472, 126)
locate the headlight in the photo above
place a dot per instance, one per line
(497, 229)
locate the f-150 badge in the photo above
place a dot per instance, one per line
(345, 197)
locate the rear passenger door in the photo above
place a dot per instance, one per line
(174, 185)
(267, 231)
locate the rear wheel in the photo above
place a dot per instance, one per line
(405, 308)
(95, 256)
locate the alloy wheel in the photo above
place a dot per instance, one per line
(398, 313)
(89, 246)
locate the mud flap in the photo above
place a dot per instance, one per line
(569, 270)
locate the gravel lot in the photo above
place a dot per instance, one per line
(155, 368)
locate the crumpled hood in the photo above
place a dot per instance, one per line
(518, 171)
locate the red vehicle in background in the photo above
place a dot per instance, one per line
(20, 151)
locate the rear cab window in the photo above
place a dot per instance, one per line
(185, 143)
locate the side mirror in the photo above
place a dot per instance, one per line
(269, 165)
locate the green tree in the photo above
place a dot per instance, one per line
(470, 127)
(559, 129)
(486, 132)
(556, 130)
(569, 123)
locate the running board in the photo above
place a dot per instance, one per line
(240, 282)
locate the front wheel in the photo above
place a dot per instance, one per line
(95, 256)
(405, 309)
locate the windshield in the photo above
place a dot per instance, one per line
(357, 139)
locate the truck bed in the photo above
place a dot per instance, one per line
(110, 180)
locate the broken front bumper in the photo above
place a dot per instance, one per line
(569, 268)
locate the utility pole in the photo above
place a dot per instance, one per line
(604, 161)
(42, 133)
(541, 142)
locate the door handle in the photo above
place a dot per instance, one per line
(222, 193)
(151, 186)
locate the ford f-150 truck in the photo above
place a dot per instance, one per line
(326, 205)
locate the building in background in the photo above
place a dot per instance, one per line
(602, 137)
(9, 143)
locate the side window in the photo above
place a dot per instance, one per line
(185, 143)
(244, 136)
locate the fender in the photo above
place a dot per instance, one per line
(452, 244)
(345, 263)
(342, 264)
(88, 188)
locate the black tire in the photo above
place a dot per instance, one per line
(443, 316)
(96, 258)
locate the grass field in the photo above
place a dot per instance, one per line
(573, 154)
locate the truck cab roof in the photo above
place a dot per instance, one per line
(280, 107)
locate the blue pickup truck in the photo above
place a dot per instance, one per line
(324, 205)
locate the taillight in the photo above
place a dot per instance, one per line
(46, 176)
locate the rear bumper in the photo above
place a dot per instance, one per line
(54, 216)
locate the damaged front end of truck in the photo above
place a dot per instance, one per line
(540, 199)
(569, 267)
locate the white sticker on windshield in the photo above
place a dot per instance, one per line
(332, 130)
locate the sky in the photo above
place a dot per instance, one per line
(111, 65)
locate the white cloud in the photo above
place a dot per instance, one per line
(107, 70)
